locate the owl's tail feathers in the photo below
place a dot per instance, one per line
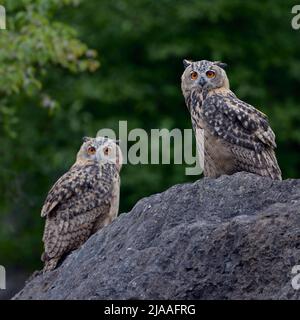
(49, 263)
(271, 164)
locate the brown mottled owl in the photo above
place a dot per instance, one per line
(233, 135)
(83, 200)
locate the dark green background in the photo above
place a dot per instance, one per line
(140, 47)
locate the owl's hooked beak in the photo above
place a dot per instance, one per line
(202, 82)
(98, 155)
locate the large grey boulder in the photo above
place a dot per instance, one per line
(235, 237)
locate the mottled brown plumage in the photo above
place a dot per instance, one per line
(83, 200)
(233, 135)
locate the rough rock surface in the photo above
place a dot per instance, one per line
(235, 237)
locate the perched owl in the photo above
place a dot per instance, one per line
(83, 200)
(235, 136)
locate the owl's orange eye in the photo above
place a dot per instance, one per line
(210, 74)
(91, 150)
(194, 75)
(106, 151)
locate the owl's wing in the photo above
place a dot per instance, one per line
(73, 207)
(77, 181)
(247, 130)
(238, 122)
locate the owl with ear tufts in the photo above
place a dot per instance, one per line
(83, 200)
(231, 134)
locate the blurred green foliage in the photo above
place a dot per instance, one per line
(49, 99)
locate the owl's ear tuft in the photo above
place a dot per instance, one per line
(85, 139)
(186, 63)
(220, 64)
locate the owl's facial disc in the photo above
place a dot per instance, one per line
(203, 75)
(108, 153)
(100, 150)
(203, 79)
